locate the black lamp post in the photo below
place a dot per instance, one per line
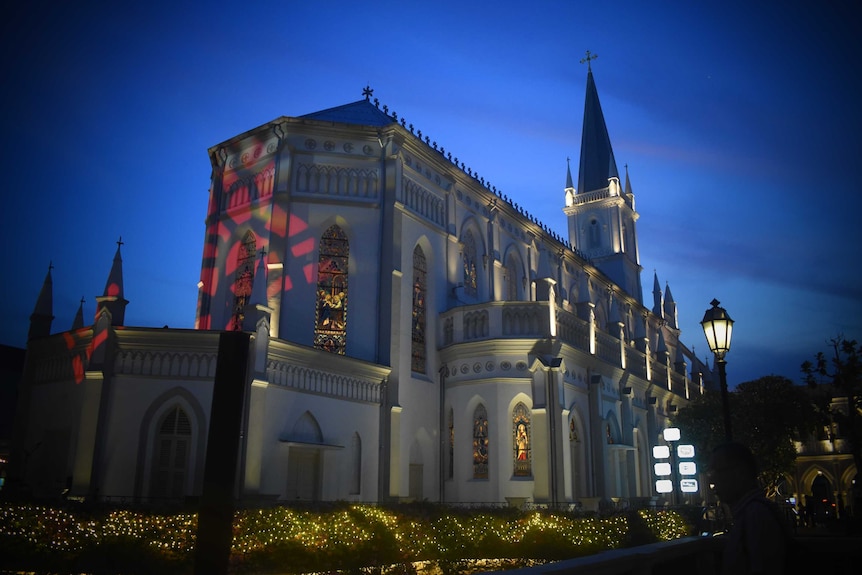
(717, 327)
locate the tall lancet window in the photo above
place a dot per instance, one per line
(170, 466)
(522, 441)
(468, 254)
(330, 331)
(243, 279)
(511, 278)
(481, 443)
(420, 271)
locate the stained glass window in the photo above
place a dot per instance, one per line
(420, 270)
(521, 440)
(243, 278)
(330, 333)
(468, 254)
(481, 443)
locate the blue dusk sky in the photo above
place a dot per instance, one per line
(740, 123)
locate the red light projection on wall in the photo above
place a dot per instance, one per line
(243, 199)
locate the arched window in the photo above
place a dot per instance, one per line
(481, 443)
(171, 462)
(330, 333)
(522, 441)
(243, 279)
(512, 276)
(468, 254)
(420, 271)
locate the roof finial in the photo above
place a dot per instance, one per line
(120, 241)
(588, 59)
(367, 92)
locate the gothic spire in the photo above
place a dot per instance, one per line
(597, 165)
(43, 312)
(569, 183)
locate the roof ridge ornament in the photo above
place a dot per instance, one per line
(588, 59)
(367, 91)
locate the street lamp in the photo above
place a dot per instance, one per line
(717, 327)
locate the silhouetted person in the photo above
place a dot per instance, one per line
(758, 539)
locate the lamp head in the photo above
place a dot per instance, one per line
(717, 327)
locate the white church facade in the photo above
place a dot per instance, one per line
(415, 335)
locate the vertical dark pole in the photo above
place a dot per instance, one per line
(725, 400)
(215, 515)
(674, 477)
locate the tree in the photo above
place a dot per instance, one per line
(841, 377)
(767, 414)
(773, 413)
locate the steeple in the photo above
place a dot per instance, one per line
(597, 165)
(112, 299)
(43, 312)
(601, 217)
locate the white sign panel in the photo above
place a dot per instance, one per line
(661, 452)
(687, 468)
(664, 486)
(685, 451)
(671, 434)
(688, 485)
(662, 469)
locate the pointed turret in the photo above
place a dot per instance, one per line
(257, 307)
(43, 312)
(670, 308)
(657, 307)
(570, 186)
(112, 299)
(78, 322)
(597, 165)
(628, 189)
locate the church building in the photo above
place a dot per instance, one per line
(414, 335)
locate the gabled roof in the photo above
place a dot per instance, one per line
(361, 112)
(597, 156)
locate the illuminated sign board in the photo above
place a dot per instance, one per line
(662, 469)
(664, 486)
(688, 485)
(687, 468)
(661, 452)
(685, 451)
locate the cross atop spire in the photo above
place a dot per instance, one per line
(590, 57)
(367, 92)
(120, 241)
